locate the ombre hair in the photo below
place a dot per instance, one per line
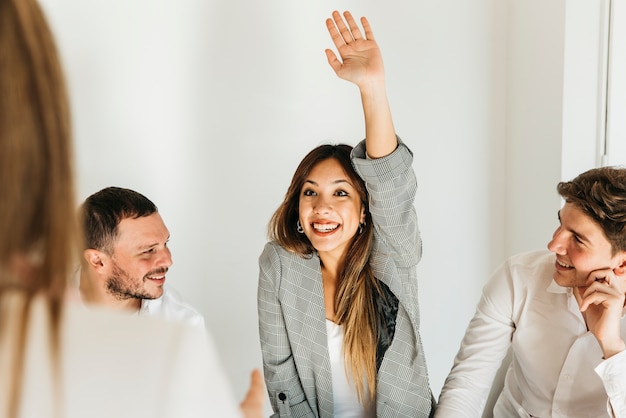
(37, 221)
(355, 301)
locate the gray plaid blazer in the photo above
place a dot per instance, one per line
(292, 318)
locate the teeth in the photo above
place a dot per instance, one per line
(325, 227)
(562, 264)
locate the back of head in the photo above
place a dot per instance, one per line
(37, 225)
(36, 185)
(102, 212)
(601, 194)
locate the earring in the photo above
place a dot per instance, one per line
(361, 227)
(299, 227)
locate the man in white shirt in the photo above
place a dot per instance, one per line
(561, 312)
(126, 257)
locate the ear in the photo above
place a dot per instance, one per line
(94, 258)
(362, 214)
(620, 270)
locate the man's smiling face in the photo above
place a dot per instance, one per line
(580, 247)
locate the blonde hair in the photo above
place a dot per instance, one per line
(37, 222)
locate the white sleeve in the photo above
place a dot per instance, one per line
(613, 374)
(484, 346)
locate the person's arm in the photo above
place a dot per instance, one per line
(602, 303)
(484, 346)
(612, 372)
(281, 376)
(361, 63)
(392, 186)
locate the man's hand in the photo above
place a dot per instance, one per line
(601, 301)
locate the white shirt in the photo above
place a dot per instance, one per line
(345, 400)
(557, 367)
(172, 307)
(113, 365)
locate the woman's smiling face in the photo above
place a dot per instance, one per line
(330, 208)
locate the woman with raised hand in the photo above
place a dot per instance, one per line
(337, 297)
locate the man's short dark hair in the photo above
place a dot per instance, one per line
(102, 212)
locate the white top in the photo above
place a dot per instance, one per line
(113, 365)
(557, 367)
(345, 401)
(172, 307)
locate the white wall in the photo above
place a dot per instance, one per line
(616, 123)
(534, 125)
(584, 85)
(208, 106)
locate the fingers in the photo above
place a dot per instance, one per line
(333, 60)
(334, 33)
(343, 32)
(602, 291)
(343, 29)
(594, 298)
(603, 275)
(606, 277)
(355, 32)
(369, 34)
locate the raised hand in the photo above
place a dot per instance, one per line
(602, 304)
(360, 58)
(362, 64)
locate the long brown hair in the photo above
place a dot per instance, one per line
(36, 183)
(355, 304)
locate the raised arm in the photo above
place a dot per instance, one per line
(361, 63)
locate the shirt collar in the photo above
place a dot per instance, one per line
(554, 287)
(150, 305)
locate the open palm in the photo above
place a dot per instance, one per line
(361, 61)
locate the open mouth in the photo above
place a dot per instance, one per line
(563, 265)
(157, 276)
(325, 227)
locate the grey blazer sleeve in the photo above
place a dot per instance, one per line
(403, 387)
(281, 376)
(392, 185)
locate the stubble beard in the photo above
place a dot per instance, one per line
(124, 287)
